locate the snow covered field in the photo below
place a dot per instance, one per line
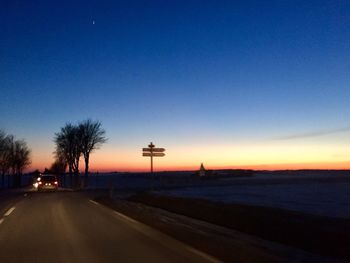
(315, 192)
(327, 196)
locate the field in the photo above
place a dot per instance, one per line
(325, 194)
(307, 210)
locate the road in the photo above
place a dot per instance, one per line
(69, 227)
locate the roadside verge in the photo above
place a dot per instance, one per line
(221, 242)
(321, 235)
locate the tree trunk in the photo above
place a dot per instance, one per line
(3, 180)
(19, 179)
(14, 180)
(76, 179)
(86, 170)
(76, 172)
(87, 165)
(70, 175)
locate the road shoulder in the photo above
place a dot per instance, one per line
(220, 242)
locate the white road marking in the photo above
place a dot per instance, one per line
(193, 250)
(92, 201)
(146, 230)
(1, 220)
(9, 211)
(202, 254)
(126, 217)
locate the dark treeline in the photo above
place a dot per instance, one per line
(14, 158)
(74, 141)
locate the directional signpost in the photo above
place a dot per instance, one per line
(151, 151)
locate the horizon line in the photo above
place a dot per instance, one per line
(258, 167)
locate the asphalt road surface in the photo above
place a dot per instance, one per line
(69, 227)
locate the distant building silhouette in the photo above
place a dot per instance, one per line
(202, 171)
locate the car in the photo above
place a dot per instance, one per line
(36, 181)
(47, 182)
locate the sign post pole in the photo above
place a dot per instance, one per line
(151, 151)
(151, 146)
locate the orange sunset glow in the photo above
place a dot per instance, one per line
(269, 157)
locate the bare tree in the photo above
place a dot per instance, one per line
(92, 137)
(14, 156)
(75, 140)
(22, 156)
(68, 148)
(2, 140)
(59, 166)
(4, 155)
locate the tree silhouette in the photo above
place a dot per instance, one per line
(92, 137)
(59, 166)
(14, 156)
(75, 140)
(68, 148)
(5, 155)
(20, 159)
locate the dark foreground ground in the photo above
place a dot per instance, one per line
(240, 233)
(324, 236)
(91, 227)
(308, 212)
(69, 227)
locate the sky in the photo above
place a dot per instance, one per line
(231, 84)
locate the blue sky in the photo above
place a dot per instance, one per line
(184, 74)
